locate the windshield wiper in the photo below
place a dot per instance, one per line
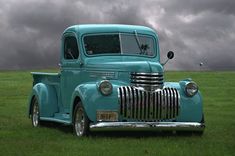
(138, 42)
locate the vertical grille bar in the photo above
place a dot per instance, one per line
(127, 102)
(123, 100)
(177, 101)
(135, 102)
(139, 104)
(166, 102)
(156, 105)
(147, 105)
(159, 105)
(142, 105)
(172, 102)
(120, 100)
(169, 103)
(153, 106)
(163, 104)
(130, 102)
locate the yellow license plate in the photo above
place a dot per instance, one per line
(107, 116)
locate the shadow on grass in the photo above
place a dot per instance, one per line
(113, 133)
(142, 133)
(61, 127)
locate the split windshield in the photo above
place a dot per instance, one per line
(116, 44)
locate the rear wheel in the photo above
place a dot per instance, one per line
(35, 113)
(80, 121)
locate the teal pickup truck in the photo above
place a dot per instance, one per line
(111, 77)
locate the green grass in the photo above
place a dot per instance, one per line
(18, 137)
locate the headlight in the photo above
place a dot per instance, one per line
(105, 87)
(191, 89)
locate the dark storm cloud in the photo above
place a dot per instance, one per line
(194, 7)
(198, 31)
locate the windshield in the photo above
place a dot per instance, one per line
(130, 44)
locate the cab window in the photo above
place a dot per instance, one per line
(70, 48)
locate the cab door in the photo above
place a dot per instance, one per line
(70, 69)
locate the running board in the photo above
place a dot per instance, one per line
(64, 121)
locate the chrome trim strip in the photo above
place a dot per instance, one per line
(151, 74)
(160, 77)
(55, 120)
(157, 125)
(147, 81)
(148, 85)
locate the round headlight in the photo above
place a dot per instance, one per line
(105, 87)
(191, 89)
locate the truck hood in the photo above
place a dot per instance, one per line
(125, 66)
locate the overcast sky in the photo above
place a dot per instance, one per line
(196, 30)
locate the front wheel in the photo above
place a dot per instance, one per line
(35, 113)
(80, 121)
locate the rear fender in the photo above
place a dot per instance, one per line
(47, 99)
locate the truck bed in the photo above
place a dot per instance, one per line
(46, 78)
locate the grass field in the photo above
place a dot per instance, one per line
(18, 137)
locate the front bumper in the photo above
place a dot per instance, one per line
(187, 126)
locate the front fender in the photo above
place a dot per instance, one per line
(191, 108)
(47, 99)
(93, 100)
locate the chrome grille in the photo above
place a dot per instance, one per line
(148, 106)
(148, 81)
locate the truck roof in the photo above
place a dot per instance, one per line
(104, 28)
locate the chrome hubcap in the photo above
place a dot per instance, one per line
(35, 115)
(79, 122)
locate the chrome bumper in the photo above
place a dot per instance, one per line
(190, 126)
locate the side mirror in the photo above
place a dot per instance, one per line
(170, 55)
